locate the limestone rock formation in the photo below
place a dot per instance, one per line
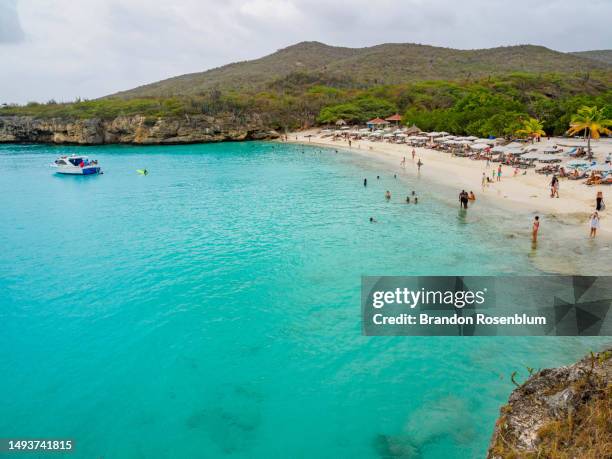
(559, 412)
(132, 130)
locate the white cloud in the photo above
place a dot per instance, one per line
(64, 49)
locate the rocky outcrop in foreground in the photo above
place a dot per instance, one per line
(132, 130)
(562, 412)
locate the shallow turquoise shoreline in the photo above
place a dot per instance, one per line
(212, 307)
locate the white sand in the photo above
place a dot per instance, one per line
(523, 193)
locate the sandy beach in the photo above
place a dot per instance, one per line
(566, 219)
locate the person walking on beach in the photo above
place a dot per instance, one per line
(350, 143)
(535, 228)
(599, 202)
(419, 164)
(403, 163)
(483, 182)
(499, 172)
(594, 223)
(554, 186)
(463, 199)
(413, 154)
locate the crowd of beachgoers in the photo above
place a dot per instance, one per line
(526, 172)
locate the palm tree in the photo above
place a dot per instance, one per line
(532, 128)
(592, 121)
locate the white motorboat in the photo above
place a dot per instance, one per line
(77, 165)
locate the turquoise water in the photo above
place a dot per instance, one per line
(211, 308)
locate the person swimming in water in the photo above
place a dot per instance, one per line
(387, 195)
(373, 220)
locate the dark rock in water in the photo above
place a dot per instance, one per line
(559, 412)
(140, 130)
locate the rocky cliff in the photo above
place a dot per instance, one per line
(132, 130)
(562, 412)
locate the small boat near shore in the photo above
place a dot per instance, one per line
(77, 165)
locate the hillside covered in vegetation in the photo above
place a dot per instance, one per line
(480, 92)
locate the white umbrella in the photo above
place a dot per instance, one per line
(479, 146)
(471, 137)
(532, 155)
(550, 158)
(484, 141)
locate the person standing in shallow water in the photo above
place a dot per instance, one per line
(535, 228)
(594, 223)
(419, 164)
(463, 199)
(388, 195)
(365, 182)
(599, 202)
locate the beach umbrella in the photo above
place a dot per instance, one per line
(576, 163)
(471, 137)
(550, 158)
(601, 168)
(499, 150)
(479, 146)
(531, 155)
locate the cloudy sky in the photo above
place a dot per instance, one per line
(63, 49)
